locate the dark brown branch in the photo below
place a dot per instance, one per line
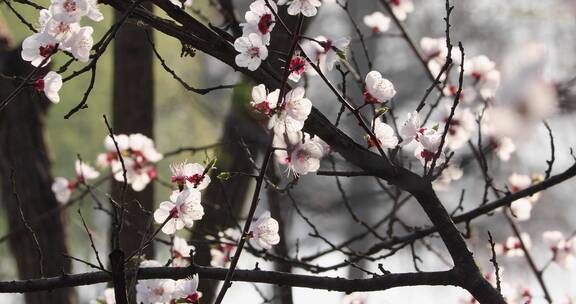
(440, 278)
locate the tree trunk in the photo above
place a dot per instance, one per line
(24, 152)
(133, 112)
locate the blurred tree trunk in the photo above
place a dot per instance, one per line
(241, 123)
(23, 150)
(233, 158)
(133, 112)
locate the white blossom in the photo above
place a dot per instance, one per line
(324, 52)
(512, 247)
(190, 174)
(259, 20)
(182, 4)
(50, 84)
(94, 12)
(427, 149)
(84, 171)
(38, 47)
(479, 66)
(521, 209)
(59, 30)
(378, 89)
(377, 21)
(503, 146)
(297, 68)
(154, 291)
(462, 126)
(307, 8)
(265, 231)
(410, 129)
(139, 155)
(435, 52)
(80, 43)
(401, 8)
(297, 106)
(300, 153)
(450, 174)
(519, 182)
(252, 51)
(184, 208)
(69, 11)
(262, 101)
(562, 248)
(62, 189)
(187, 289)
(181, 252)
(489, 84)
(306, 157)
(384, 133)
(295, 110)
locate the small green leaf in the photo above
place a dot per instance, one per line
(224, 176)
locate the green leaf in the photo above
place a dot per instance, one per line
(224, 176)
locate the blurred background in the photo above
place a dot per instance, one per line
(502, 30)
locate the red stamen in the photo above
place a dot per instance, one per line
(265, 22)
(39, 84)
(368, 98)
(46, 51)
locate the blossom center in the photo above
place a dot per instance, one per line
(46, 50)
(396, 2)
(193, 298)
(427, 155)
(263, 108)
(69, 6)
(372, 143)
(196, 179)
(39, 84)
(254, 52)
(265, 23)
(297, 65)
(174, 213)
(71, 185)
(327, 45)
(369, 98)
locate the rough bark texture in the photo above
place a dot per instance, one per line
(133, 112)
(24, 150)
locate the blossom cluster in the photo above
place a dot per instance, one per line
(62, 187)
(184, 206)
(60, 29)
(157, 291)
(560, 246)
(222, 254)
(323, 52)
(166, 290)
(260, 21)
(297, 150)
(139, 157)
